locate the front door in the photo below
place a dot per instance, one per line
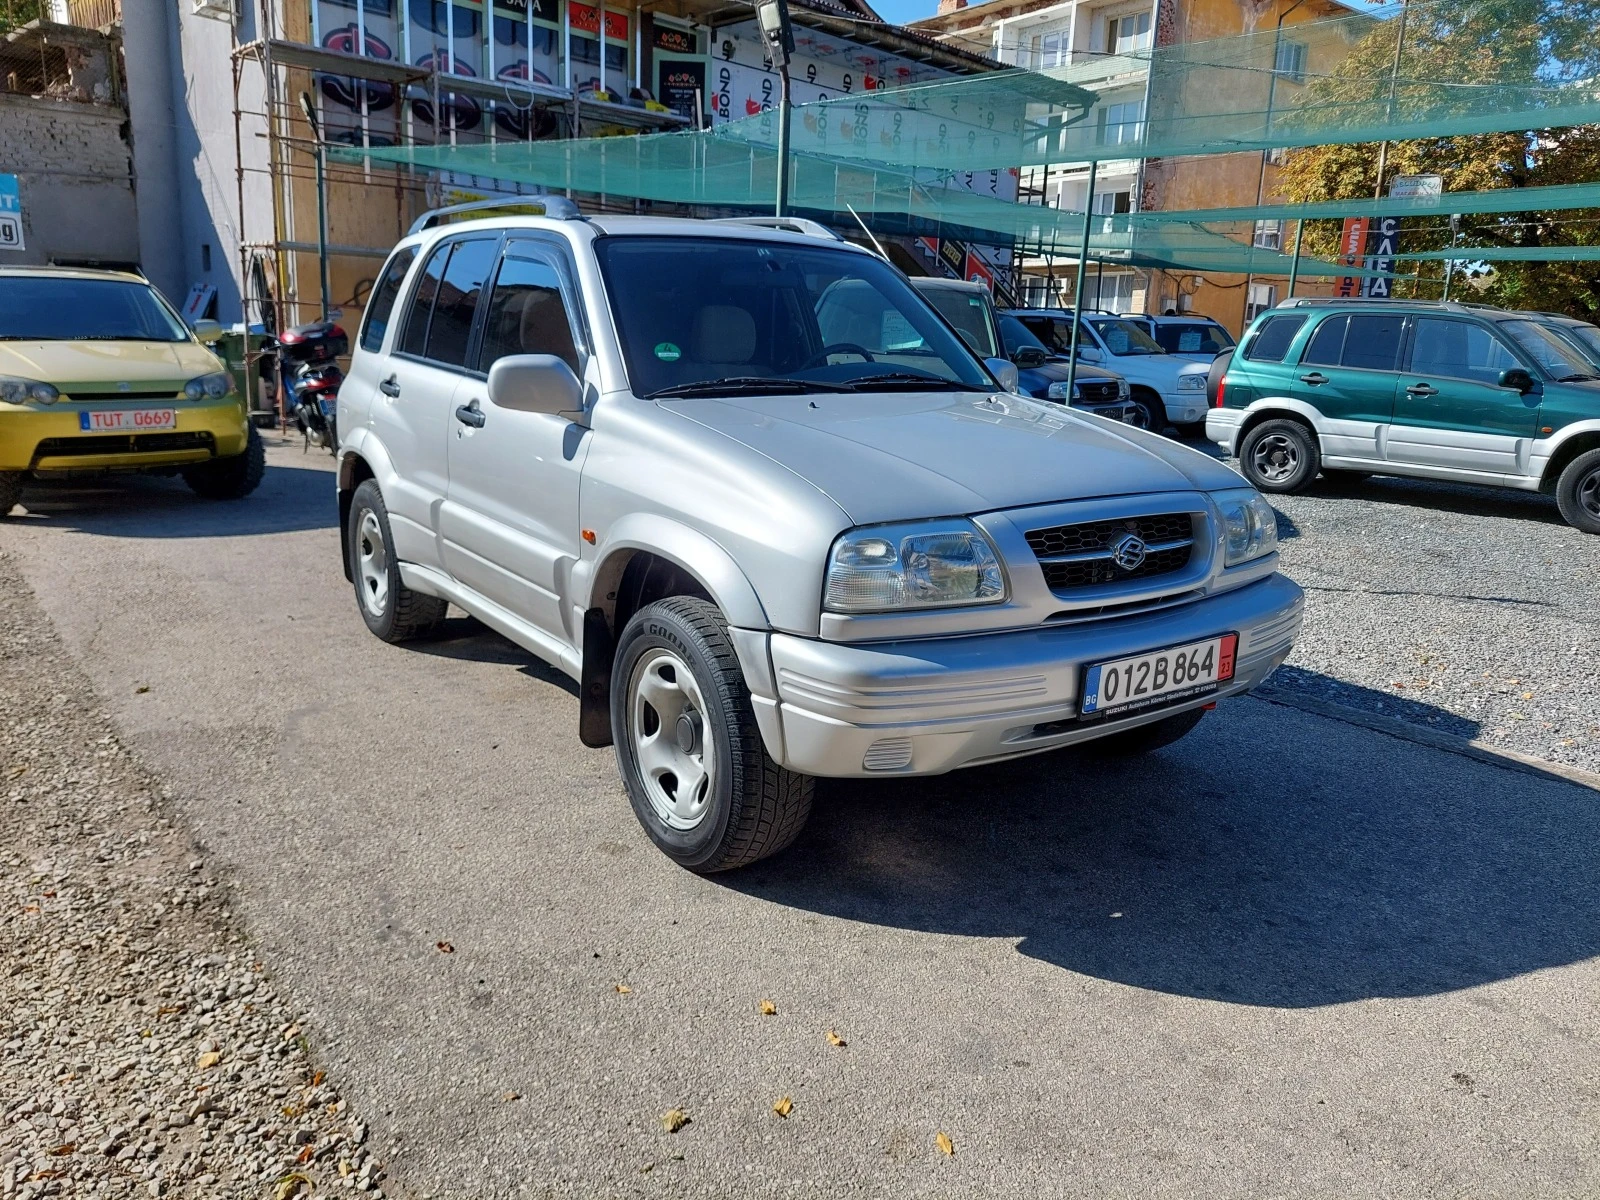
(510, 519)
(1450, 410)
(1347, 371)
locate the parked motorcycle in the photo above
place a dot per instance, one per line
(308, 368)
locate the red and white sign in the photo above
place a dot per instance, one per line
(1352, 249)
(587, 20)
(978, 271)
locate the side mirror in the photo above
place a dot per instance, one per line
(539, 383)
(1089, 354)
(1028, 357)
(1005, 372)
(208, 331)
(1516, 377)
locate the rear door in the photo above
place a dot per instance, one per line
(1347, 370)
(1450, 410)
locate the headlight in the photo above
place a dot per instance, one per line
(1058, 391)
(1123, 392)
(1250, 527)
(212, 387)
(1191, 383)
(926, 565)
(19, 391)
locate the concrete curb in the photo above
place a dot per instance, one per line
(1495, 756)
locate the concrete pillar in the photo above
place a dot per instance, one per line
(148, 29)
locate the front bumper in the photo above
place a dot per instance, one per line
(49, 438)
(932, 705)
(1184, 408)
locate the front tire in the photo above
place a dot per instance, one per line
(230, 478)
(1142, 739)
(10, 490)
(1152, 413)
(688, 748)
(1578, 492)
(1280, 456)
(391, 610)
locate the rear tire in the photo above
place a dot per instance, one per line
(688, 748)
(10, 490)
(230, 478)
(391, 610)
(1280, 456)
(1578, 492)
(1143, 739)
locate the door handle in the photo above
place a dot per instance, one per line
(390, 386)
(471, 414)
(1314, 377)
(1422, 389)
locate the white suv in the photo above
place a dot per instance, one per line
(777, 520)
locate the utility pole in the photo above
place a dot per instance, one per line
(1394, 78)
(773, 17)
(1083, 270)
(322, 200)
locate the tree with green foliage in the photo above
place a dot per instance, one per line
(19, 12)
(1459, 58)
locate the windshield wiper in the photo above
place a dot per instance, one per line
(742, 384)
(910, 381)
(1578, 378)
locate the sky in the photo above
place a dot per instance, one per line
(899, 12)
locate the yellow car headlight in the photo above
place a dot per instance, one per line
(15, 390)
(209, 387)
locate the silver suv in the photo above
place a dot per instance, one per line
(764, 505)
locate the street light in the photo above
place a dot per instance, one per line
(773, 17)
(322, 200)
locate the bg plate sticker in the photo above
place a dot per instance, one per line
(667, 352)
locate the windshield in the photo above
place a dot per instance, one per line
(709, 315)
(1586, 338)
(1016, 337)
(61, 308)
(1123, 337)
(1192, 337)
(1553, 354)
(965, 310)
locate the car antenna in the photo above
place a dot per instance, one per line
(876, 245)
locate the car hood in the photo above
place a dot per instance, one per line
(891, 457)
(1056, 372)
(101, 366)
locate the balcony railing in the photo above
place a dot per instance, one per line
(94, 14)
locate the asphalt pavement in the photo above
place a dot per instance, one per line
(1289, 956)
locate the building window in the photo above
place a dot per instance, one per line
(1047, 50)
(1129, 33)
(1262, 297)
(1269, 235)
(1111, 293)
(1110, 203)
(1291, 61)
(1121, 123)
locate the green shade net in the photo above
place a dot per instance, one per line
(1463, 68)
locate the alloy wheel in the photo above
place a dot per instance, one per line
(673, 748)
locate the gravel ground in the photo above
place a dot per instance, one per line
(143, 1049)
(1469, 610)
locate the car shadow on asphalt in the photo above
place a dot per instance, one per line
(1460, 498)
(290, 499)
(468, 639)
(1324, 864)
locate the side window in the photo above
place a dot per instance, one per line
(381, 303)
(1373, 343)
(463, 282)
(1327, 342)
(527, 314)
(1458, 350)
(415, 335)
(1271, 341)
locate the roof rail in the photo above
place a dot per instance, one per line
(557, 208)
(788, 224)
(1320, 301)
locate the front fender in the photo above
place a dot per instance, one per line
(596, 580)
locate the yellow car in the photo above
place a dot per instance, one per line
(99, 374)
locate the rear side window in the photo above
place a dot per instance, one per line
(1271, 341)
(1327, 342)
(463, 283)
(1373, 343)
(415, 336)
(381, 302)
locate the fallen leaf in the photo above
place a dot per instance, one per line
(783, 1106)
(208, 1060)
(63, 1151)
(316, 1079)
(290, 1184)
(623, 989)
(942, 1140)
(345, 1169)
(141, 689)
(674, 1119)
(444, 947)
(1527, 695)
(510, 1096)
(166, 1010)
(768, 1009)
(835, 1040)
(19, 772)
(305, 1154)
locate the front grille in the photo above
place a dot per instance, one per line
(124, 443)
(158, 394)
(1097, 393)
(1076, 556)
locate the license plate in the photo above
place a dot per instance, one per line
(1158, 677)
(127, 420)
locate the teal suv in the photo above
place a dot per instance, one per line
(1433, 391)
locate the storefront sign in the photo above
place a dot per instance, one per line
(674, 40)
(1352, 245)
(1384, 244)
(10, 214)
(587, 20)
(681, 86)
